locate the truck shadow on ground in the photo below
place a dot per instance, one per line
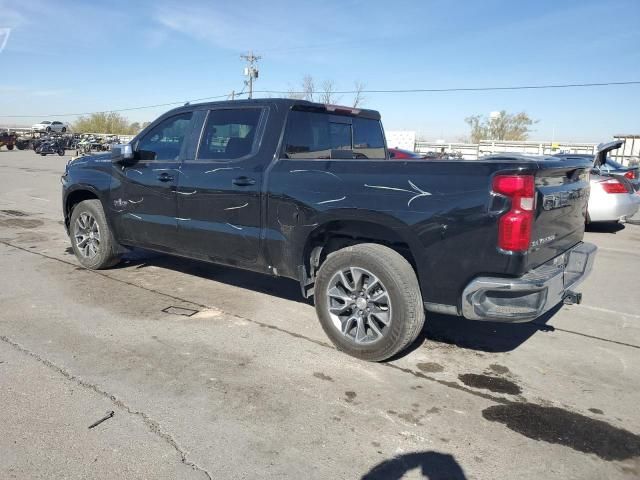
(491, 337)
(604, 227)
(432, 465)
(280, 287)
(475, 335)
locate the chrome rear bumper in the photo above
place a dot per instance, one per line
(526, 298)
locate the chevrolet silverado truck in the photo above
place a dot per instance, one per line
(307, 191)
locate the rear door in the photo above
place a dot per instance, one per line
(219, 191)
(144, 199)
(561, 207)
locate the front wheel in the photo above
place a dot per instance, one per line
(61, 151)
(368, 301)
(9, 147)
(91, 238)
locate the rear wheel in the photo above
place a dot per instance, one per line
(9, 147)
(368, 301)
(91, 238)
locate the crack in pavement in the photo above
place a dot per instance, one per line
(153, 425)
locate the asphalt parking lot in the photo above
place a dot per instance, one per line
(217, 373)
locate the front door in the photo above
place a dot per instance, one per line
(144, 200)
(219, 188)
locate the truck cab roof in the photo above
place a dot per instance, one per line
(285, 103)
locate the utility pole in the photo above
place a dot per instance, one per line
(251, 70)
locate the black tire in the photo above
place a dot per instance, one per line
(64, 129)
(61, 152)
(9, 147)
(108, 250)
(401, 284)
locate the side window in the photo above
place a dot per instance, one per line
(368, 140)
(229, 134)
(314, 135)
(164, 141)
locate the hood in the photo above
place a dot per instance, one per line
(603, 151)
(93, 159)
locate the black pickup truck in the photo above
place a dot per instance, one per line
(307, 191)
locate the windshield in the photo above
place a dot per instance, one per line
(45, 122)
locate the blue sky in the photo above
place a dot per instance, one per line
(69, 56)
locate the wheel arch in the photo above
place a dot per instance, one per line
(77, 195)
(339, 232)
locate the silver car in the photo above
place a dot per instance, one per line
(613, 197)
(48, 127)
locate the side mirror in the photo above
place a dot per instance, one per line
(121, 153)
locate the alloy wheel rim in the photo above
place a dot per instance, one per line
(87, 235)
(359, 305)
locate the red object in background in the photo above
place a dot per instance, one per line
(399, 153)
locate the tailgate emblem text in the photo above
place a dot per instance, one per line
(560, 199)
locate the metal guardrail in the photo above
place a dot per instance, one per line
(628, 154)
(472, 151)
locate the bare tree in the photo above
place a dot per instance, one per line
(328, 92)
(358, 98)
(308, 87)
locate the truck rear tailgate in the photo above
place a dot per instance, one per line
(562, 192)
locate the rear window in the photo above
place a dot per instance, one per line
(313, 135)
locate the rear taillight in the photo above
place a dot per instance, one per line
(631, 174)
(613, 186)
(514, 227)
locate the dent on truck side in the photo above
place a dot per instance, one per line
(437, 210)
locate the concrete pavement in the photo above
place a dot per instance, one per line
(248, 386)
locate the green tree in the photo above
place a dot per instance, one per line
(105, 122)
(503, 126)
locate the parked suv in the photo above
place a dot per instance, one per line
(307, 191)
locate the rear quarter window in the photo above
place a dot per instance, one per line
(313, 135)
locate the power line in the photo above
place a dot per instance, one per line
(466, 89)
(179, 102)
(408, 90)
